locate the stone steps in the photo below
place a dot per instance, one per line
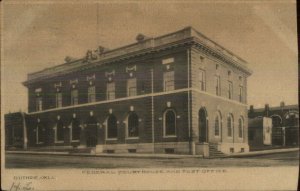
(214, 153)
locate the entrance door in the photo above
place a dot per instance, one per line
(91, 133)
(202, 125)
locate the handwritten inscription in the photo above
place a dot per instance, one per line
(17, 186)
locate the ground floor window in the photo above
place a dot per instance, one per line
(241, 127)
(229, 125)
(112, 129)
(169, 123)
(217, 124)
(59, 131)
(75, 130)
(40, 134)
(133, 125)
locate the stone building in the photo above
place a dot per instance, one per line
(176, 93)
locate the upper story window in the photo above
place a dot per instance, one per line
(74, 97)
(241, 93)
(58, 99)
(241, 89)
(38, 100)
(110, 90)
(170, 123)
(169, 81)
(217, 85)
(39, 103)
(131, 87)
(230, 89)
(229, 125)
(202, 80)
(91, 94)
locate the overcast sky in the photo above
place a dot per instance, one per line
(40, 35)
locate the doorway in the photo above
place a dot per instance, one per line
(202, 116)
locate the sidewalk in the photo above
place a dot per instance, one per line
(263, 152)
(114, 155)
(154, 156)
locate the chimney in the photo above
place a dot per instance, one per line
(251, 111)
(282, 104)
(267, 109)
(141, 37)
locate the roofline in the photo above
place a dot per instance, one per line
(152, 44)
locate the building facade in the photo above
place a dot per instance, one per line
(177, 93)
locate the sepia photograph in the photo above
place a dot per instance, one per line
(149, 95)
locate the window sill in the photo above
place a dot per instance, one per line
(59, 141)
(129, 138)
(39, 143)
(170, 136)
(74, 141)
(111, 139)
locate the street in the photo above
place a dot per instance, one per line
(59, 161)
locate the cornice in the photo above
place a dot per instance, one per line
(187, 36)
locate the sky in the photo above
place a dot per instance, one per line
(41, 34)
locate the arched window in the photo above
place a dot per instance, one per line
(169, 123)
(133, 125)
(218, 124)
(276, 120)
(229, 125)
(112, 129)
(75, 130)
(59, 131)
(241, 127)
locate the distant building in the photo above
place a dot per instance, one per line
(176, 93)
(260, 132)
(285, 122)
(15, 130)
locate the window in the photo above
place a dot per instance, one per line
(112, 129)
(74, 97)
(58, 99)
(170, 123)
(75, 130)
(217, 125)
(59, 132)
(217, 85)
(131, 87)
(241, 127)
(91, 94)
(202, 80)
(230, 90)
(110, 91)
(39, 103)
(40, 134)
(133, 125)
(241, 94)
(169, 81)
(229, 125)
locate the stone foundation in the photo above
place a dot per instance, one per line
(229, 148)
